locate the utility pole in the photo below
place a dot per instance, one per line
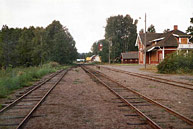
(41, 63)
(110, 42)
(145, 44)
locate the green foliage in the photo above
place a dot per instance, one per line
(84, 55)
(166, 31)
(33, 46)
(104, 54)
(190, 30)
(25, 47)
(122, 31)
(15, 78)
(94, 48)
(61, 45)
(177, 63)
(8, 41)
(151, 29)
(105, 51)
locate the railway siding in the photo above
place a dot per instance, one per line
(157, 115)
(17, 113)
(179, 99)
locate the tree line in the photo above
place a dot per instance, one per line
(34, 46)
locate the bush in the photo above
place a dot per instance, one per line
(177, 63)
(52, 64)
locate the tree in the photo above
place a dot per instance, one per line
(25, 47)
(60, 44)
(166, 31)
(190, 29)
(94, 48)
(122, 31)
(151, 29)
(141, 31)
(104, 53)
(105, 50)
(38, 52)
(8, 41)
(34, 46)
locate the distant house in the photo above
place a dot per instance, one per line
(96, 58)
(80, 60)
(159, 45)
(129, 57)
(88, 59)
(93, 58)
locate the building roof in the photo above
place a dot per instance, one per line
(150, 37)
(168, 39)
(130, 55)
(180, 34)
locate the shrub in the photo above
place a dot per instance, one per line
(52, 64)
(177, 63)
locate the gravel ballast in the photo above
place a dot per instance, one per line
(79, 102)
(178, 99)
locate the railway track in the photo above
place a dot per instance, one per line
(152, 113)
(17, 113)
(157, 79)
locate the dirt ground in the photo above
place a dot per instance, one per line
(79, 103)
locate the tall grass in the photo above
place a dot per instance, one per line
(15, 78)
(177, 63)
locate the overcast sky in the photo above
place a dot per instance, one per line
(86, 19)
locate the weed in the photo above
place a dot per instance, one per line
(152, 86)
(172, 118)
(77, 81)
(77, 70)
(15, 78)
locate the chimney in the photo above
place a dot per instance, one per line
(175, 27)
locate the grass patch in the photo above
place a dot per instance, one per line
(77, 81)
(152, 68)
(15, 78)
(77, 70)
(152, 86)
(125, 64)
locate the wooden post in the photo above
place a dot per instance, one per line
(163, 53)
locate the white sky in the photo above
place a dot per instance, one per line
(86, 19)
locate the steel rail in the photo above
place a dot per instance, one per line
(36, 87)
(154, 78)
(182, 117)
(148, 120)
(20, 126)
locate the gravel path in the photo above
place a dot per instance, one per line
(79, 103)
(137, 69)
